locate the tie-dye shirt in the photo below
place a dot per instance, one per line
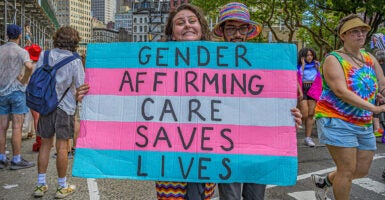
(362, 81)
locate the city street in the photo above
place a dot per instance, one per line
(19, 184)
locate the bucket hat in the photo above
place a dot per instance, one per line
(237, 12)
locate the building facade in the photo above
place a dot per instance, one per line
(77, 14)
(124, 20)
(104, 10)
(105, 35)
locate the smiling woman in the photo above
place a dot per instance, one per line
(185, 23)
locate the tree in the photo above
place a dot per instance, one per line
(325, 15)
(269, 13)
(314, 21)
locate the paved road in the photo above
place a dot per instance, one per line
(19, 184)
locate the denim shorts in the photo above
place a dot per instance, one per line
(340, 133)
(13, 103)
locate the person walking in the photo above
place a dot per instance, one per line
(351, 80)
(308, 72)
(34, 51)
(235, 26)
(13, 82)
(61, 120)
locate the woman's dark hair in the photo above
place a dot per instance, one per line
(66, 38)
(197, 11)
(303, 53)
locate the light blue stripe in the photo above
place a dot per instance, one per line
(127, 55)
(277, 170)
(239, 111)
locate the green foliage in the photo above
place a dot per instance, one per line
(312, 21)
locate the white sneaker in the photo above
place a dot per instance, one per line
(309, 142)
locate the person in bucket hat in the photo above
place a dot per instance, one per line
(235, 26)
(234, 18)
(352, 79)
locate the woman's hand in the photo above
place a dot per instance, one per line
(297, 116)
(81, 91)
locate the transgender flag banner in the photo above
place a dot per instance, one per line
(190, 112)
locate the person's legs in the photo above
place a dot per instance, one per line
(253, 191)
(305, 110)
(5, 110)
(310, 117)
(303, 106)
(17, 125)
(62, 157)
(64, 126)
(230, 191)
(346, 162)
(43, 157)
(4, 124)
(45, 131)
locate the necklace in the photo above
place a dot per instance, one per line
(353, 57)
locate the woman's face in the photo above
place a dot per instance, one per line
(186, 26)
(309, 56)
(355, 36)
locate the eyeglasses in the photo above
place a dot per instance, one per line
(362, 31)
(232, 30)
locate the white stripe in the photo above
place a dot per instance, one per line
(93, 189)
(242, 111)
(370, 184)
(324, 171)
(303, 195)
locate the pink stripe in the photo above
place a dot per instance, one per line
(108, 82)
(277, 141)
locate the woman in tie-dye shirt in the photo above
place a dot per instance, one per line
(351, 80)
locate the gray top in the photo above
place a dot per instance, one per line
(70, 75)
(12, 59)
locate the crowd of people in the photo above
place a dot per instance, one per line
(340, 95)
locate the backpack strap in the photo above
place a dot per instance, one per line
(45, 60)
(65, 61)
(61, 64)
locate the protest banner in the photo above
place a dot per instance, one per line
(190, 112)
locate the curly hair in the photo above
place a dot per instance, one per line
(66, 38)
(303, 53)
(201, 18)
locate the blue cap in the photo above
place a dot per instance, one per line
(13, 31)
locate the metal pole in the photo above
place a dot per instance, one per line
(22, 24)
(5, 20)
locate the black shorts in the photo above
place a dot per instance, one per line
(305, 88)
(58, 122)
